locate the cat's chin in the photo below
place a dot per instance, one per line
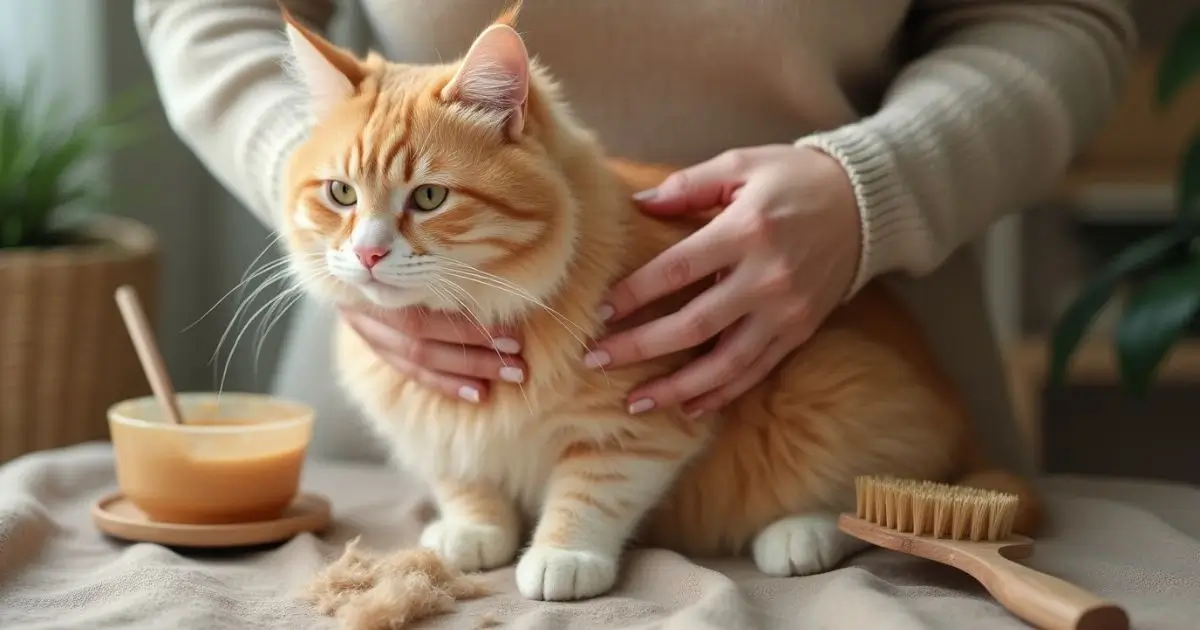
(386, 296)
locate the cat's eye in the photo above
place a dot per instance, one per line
(341, 193)
(429, 197)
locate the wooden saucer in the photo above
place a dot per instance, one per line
(118, 517)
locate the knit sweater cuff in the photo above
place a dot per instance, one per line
(892, 229)
(269, 149)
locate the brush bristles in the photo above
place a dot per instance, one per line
(938, 510)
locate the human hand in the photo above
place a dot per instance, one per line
(442, 351)
(785, 249)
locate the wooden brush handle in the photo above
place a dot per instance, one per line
(1046, 601)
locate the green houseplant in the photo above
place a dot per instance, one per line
(1162, 270)
(64, 357)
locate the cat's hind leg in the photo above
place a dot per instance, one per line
(478, 529)
(803, 544)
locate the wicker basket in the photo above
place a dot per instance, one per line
(64, 353)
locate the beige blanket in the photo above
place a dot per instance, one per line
(1138, 543)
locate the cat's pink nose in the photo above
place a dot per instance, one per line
(370, 255)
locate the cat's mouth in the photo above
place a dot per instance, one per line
(385, 286)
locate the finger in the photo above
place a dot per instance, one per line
(458, 360)
(747, 341)
(718, 398)
(396, 327)
(450, 358)
(698, 188)
(439, 356)
(708, 250)
(470, 390)
(698, 321)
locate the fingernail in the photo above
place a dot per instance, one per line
(512, 374)
(641, 405)
(605, 312)
(693, 414)
(506, 345)
(646, 195)
(469, 394)
(597, 359)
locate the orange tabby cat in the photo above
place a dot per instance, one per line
(470, 187)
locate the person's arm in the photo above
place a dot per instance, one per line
(219, 73)
(984, 121)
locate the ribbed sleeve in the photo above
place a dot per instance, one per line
(981, 124)
(218, 69)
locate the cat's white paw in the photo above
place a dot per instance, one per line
(552, 574)
(803, 545)
(469, 546)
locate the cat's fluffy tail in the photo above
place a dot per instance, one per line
(1031, 511)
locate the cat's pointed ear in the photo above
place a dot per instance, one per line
(331, 74)
(494, 75)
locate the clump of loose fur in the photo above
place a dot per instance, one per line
(365, 591)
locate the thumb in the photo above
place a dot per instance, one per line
(696, 189)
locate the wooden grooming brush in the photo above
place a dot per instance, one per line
(972, 530)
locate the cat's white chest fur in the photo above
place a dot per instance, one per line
(430, 441)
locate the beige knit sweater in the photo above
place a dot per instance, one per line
(948, 114)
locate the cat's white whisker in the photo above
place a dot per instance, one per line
(283, 303)
(468, 272)
(247, 276)
(490, 281)
(237, 339)
(516, 288)
(279, 275)
(483, 329)
(281, 272)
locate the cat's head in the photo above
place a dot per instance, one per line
(448, 186)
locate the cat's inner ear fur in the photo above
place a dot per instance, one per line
(494, 76)
(331, 74)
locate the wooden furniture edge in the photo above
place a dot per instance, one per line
(1095, 363)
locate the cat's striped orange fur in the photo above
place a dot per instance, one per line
(535, 226)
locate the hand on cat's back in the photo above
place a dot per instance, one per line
(786, 248)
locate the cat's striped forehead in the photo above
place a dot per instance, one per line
(403, 127)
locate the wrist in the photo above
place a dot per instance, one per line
(844, 222)
(888, 222)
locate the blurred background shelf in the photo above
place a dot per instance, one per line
(1095, 363)
(1093, 368)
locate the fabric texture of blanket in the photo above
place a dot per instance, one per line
(1135, 542)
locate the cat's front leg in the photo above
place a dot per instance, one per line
(596, 497)
(478, 528)
(803, 544)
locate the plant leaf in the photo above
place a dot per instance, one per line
(127, 103)
(1189, 182)
(1181, 61)
(1156, 317)
(1075, 322)
(42, 151)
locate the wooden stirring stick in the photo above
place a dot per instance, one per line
(148, 352)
